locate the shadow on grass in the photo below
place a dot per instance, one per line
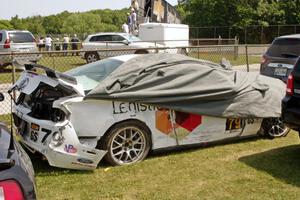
(42, 167)
(195, 147)
(282, 163)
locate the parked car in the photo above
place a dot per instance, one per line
(64, 117)
(281, 56)
(290, 103)
(100, 41)
(20, 42)
(16, 171)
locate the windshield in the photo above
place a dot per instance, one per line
(21, 37)
(90, 75)
(285, 47)
(132, 38)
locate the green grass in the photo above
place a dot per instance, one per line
(60, 63)
(215, 57)
(250, 169)
(5, 118)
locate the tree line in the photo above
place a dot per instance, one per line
(69, 23)
(239, 13)
(196, 13)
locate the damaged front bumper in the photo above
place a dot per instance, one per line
(58, 142)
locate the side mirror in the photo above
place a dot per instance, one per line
(1, 97)
(126, 42)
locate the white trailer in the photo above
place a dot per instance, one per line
(169, 35)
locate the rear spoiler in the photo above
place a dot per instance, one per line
(50, 72)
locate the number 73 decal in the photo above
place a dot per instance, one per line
(234, 124)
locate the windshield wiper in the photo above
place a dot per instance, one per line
(289, 55)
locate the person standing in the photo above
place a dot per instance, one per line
(75, 42)
(129, 22)
(134, 22)
(125, 28)
(66, 41)
(48, 43)
(41, 44)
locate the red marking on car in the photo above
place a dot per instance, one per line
(188, 121)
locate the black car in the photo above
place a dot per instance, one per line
(291, 102)
(281, 56)
(16, 171)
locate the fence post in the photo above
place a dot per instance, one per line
(245, 39)
(247, 59)
(198, 48)
(262, 35)
(215, 32)
(13, 74)
(53, 61)
(236, 50)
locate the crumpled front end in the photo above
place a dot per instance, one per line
(42, 120)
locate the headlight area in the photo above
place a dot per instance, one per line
(57, 139)
(66, 151)
(40, 102)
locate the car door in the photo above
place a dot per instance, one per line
(119, 42)
(100, 42)
(192, 128)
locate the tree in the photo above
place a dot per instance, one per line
(5, 24)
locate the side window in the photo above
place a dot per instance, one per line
(93, 39)
(117, 38)
(105, 38)
(0, 37)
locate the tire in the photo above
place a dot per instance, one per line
(91, 57)
(126, 143)
(274, 128)
(183, 51)
(141, 52)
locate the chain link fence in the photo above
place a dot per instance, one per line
(242, 57)
(255, 34)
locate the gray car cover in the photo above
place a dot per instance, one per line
(195, 86)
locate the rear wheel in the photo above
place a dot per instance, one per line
(141, 51)
(91, 57)
(126, 143)
(183, 51)
(274, 128)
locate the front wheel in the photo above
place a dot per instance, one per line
(274, 128)
(91, 57)
(126, 143)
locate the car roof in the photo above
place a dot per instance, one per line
(297, 36)
(109, 33)
(24, 31)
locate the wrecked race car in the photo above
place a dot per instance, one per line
(120, 108)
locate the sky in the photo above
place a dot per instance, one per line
(25, 8)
